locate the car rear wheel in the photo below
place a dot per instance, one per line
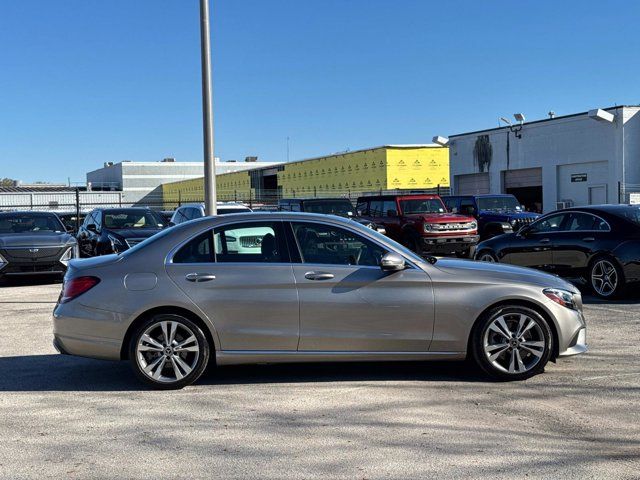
(606, 277)
(487, 256)
(512, 343)
(168, 352)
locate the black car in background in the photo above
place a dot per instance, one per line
(71, 220)
(329, 206)
(34, 243)
(114, 230)
(600, 244)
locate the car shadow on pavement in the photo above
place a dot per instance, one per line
(30, 373)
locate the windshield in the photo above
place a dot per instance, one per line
(330, 207)
(499, 204)
(30, 223)
(225, 211)
(119, 219)
(422, 205)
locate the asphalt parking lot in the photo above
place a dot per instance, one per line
(77, 418)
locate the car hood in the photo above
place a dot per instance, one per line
(440, 217)
(501, 273)
(36, 240)
(133, 232)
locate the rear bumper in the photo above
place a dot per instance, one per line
(449, 244)
(87, 332)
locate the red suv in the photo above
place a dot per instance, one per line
(421, 222)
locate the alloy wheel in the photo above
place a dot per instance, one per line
(604, 278)
(514, 343)
(487, 257)
(167, 351)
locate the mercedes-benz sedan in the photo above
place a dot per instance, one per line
(318, 288)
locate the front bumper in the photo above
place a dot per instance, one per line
(449, 244)
(33, 268)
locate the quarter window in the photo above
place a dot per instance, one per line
(325, 244)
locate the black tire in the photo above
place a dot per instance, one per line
(528, 357)
(168, 379)
(464, 253)
(597, 287)
(483, 255)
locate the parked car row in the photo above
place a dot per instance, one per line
(598, 244)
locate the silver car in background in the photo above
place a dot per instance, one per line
(318, 288)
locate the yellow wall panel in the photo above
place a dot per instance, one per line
(415, 168)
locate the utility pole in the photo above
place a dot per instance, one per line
(207, 112)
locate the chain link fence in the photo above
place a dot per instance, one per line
(629, 193)
(83, 202)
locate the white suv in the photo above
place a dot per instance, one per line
(192, 211)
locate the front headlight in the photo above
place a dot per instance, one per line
(3, 262)
(428, 227)
(68, 254)
(473, 225)
(561, 297)
(116, 244)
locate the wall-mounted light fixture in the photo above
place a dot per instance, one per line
(442, 141)
(601, 115)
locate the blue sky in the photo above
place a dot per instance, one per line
(88, 81)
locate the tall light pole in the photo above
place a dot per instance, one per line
(207, 112)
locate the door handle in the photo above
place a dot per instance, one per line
(589, 239)
(199, 277)
(544, 240)
(318, 276)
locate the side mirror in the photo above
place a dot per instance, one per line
(92, 227)
(392, 262)
(70, 229)
(171, 224)
(454, 210)
(359, 213)
(392, 213)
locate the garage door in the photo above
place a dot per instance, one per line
(472, 184)
(523, 177)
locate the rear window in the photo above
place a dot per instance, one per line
(631, 213)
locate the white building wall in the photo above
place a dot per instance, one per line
(573, 144)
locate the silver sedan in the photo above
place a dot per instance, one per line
(287, 287)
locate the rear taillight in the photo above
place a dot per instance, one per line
(77, 286)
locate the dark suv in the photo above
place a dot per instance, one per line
(422, 223)
(496, 214)
(329, 206)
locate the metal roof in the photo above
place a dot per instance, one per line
(559, 117)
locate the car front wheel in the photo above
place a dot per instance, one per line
(168, 352)
(512, 343)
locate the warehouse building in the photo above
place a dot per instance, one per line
(140, 182)
(388, 167)
(587, 158)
